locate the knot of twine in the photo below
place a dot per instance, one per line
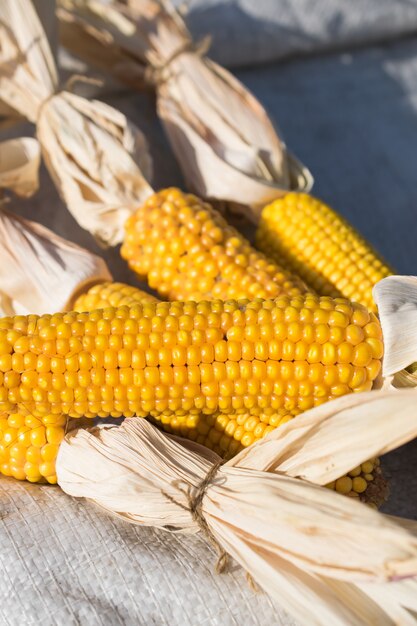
(156, 74)
(195, 496)
(69, 86)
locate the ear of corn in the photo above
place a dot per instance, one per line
(222, 374)
(312, 240)
(187, 251)
(108, 294)
(175, 358)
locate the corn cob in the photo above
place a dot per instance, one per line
(187, 251)
(173, 358)
(105, 295)
(222, 374)
(312, 240)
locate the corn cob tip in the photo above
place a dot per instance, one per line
(377, 492)
(365, 482)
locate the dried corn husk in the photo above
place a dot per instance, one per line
(103, 34)
(396, 298)
(46, 12)
(41, 272)
(19, 165)
(97, 158)
(225, 143)
(326, 558)
(8, 116)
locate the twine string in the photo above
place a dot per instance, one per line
(195, 498)
(157, 74)
(80, 78)
(195, 502)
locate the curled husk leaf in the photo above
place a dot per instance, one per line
(224, 141)
(19, 165)
(396, 298)
(328, 559)
(97, 158)
(41, 272)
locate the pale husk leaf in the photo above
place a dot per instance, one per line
(199, 161)
(103, 36)
(295, 538)
(397, 599)
(409, 524)
(41, 272)
(8, 116)
(396, 298)
(403, 379)
(390, 611)
(19, 165)
(374, 423)
(311, 527)
(134, 468)
(223, 138)
(97, 158)
(312, 599)
(27, 69)
(139, 473)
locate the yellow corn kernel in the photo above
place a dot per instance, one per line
(311, 239)
(183, 262)
(223, 374)
(105, 295)
(344, 485)
(200, 387)
(24, 451)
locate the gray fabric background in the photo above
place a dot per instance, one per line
(246, 32)
(351, 116)
(64, 563)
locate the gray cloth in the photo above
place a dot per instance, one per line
(352, 118)
(64, 563)
(246, 32)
